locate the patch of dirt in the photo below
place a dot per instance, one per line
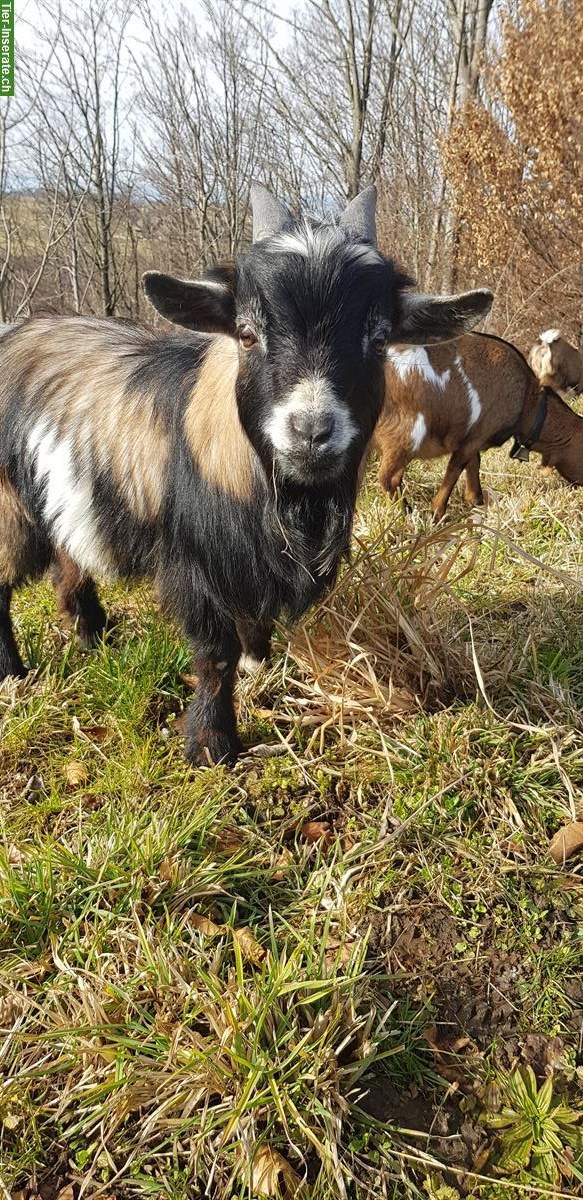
(480, 998)
(453, 1138)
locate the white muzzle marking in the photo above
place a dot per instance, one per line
(313, 397)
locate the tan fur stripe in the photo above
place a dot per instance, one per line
(80, 370)
(15, 530)
(217, 441)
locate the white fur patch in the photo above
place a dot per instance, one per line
(415, 359)
(250, 665)
(321, 241)
(418, 432)
(550, 335)
(316, 396)
(68, 506)
(473, 394)
(289, 243)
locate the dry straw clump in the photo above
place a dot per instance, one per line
(385, 640)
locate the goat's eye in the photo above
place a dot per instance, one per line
(378, 343)
(247, 337)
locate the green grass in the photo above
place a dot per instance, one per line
(309, 975)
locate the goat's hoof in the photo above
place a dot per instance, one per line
(91, 634)
(211, 747)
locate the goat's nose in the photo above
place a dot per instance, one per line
(313, 428)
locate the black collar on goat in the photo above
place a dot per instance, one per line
(523, 443)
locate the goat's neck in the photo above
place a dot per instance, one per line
(561, 440)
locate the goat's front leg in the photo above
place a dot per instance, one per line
(392, 469)
(211, 727)
(10, 660)
(78, 600)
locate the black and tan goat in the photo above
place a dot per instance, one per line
(556, 362)
(224, 464)
(463, 397)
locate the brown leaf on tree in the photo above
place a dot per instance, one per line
(566, 842)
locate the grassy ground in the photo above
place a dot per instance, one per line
(348, 968)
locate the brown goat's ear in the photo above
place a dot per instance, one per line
(426, 319)
(207, 305)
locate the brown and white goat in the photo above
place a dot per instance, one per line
(554, 360)
(463, 397)
(223, 463)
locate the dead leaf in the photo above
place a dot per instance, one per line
(566, 842)
(75, 773)
(66, 1193)
(92, 803)
(249, 946)
(10, 1009)
(268, 1166)
(281, 864)
(448, 1060)
(229, 841)
(171, 868)
(97, 733)
(339, 951)
(205, 925)
(34, 784)
(268, 750)
(15, 856)
(316, 831)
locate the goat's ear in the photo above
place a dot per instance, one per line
(359, 217)
(426, 319)
(270, 216)
(207, 305)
